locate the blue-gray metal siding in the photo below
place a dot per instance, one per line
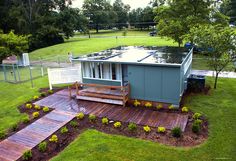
(154, 83)
(102, 82)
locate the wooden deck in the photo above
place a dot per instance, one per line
(14, 146)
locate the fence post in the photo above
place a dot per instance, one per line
(31, 79)
(18, 73)
(5, 74)
(14, 72)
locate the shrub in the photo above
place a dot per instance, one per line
(42, 147)
(37, 107)
(171, 107)
(148, 104)
(74, 124)
(2, 134)
(28, 105)
(198, 121)
(136, 103)
(196, 115)
(50, 91)
(117, 124)
(147, 129)
(43, 94)
(176, 132)
(159, 106)
(14, 127)
(185, 109)
(92, 117)
(105, 120)
(132, 126)
(36, 97)
(64, 130)
(196, 127)
(27, 155)
(45, 109)
(35, 115)
(80, 116)
(26, 119)
(161, 129)
(54, 139)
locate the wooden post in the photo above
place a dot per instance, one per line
(77, 88)
(123, 91)
(70, 95)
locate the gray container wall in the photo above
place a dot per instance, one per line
(155, 83)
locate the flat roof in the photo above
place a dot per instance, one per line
(139, 54)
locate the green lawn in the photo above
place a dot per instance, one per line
(220, 109)
(13, 95)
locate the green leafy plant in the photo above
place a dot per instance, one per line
(159, 106)
(37, 107)
(148, 104)
(42, 147)
(26, 119)
(64, 130)
(171, 107)
(27, 155)
(80, 116)
(36, 97)
(196, 127)
(74, 124)
(105, 121)
(50, 91)
(43, 94)
(28, 105)
(176, 132)
(45, 109)
(117, 124)
(92, 117)
(14, 127)
(184, 109)
(147, 129)
(196, 115)
(136, 103)
(35, 115)
(54, 139)
(132, 126)
(2, 134)
(161, 129)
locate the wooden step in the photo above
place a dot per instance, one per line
(109, 101)
(104, 91)
(104, 96)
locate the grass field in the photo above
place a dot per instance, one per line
(13, 95)
(220, 109)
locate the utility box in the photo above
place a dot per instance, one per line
(196, 83)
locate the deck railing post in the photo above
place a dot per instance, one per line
(70, 95)
(77, 88)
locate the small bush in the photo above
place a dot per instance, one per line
(37, 107)
(105, 121)
(136, 103)
(14, 127)
(42, 147)
(43, 94)
(2, 134)
(45, 109)
(185, 109)
(117, 124)
(64, 130)
(176, 132)
(159, 106)
(148, 104)
(26, 120)
(27, 155)
(198, 121)
(54, 139)
(50, 91)
(92, 117)
(74, 124)
(35, 115)
(196, 127)
(171, 107)
(80, 116)
(161, 129)
(36, 97)
(196, 115)
(132, 126)
(28, 105)
(147, 129)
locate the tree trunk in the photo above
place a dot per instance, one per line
(97, 28)
(216, 78)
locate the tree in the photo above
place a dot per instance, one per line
(122, 13)
(228, 7)
(219, 43)
(99, 12)
(11, 44)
